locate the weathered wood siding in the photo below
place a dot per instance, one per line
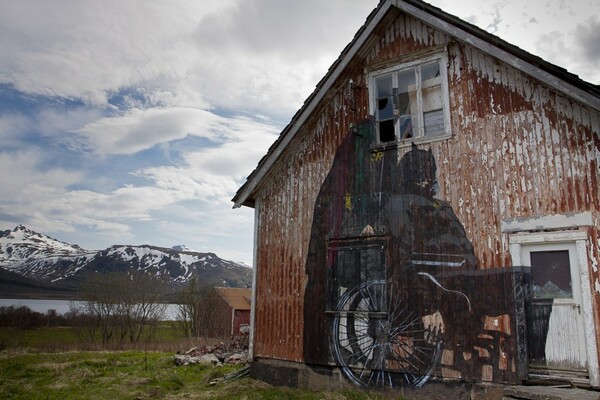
(284, 226)
(518, 149)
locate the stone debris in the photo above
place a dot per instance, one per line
(232, 352)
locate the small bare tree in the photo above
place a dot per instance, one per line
(123, 306)
(202, 312)
(215, 316)
(189, 306)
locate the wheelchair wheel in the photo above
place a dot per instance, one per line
(378, 340)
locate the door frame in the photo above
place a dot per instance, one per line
(580, 239)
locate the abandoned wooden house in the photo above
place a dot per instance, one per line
(430, 213)
(227, 311)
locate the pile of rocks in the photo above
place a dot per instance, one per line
(232, 352)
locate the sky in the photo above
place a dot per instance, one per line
(135, 122)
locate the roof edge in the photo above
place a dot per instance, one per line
(243, 195)
(553, 75)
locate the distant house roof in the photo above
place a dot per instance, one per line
(553, 75)
(237, 298)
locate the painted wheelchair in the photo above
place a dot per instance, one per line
(390, 334)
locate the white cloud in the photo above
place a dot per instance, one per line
(237, 54)
(274, 52)
(552, 29)
(215, 173)
(249, 141)
(11, 127)
(587, 38)
(54, 209)
(84, 49)
(494, 25)
(578, 49)
(141, 129)
(209, 227)
(207, 177)
(24, 168)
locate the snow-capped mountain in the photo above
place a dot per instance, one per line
(38, 256)
(42, 258)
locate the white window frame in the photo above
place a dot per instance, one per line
(419, 136)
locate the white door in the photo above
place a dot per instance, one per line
(556, 336)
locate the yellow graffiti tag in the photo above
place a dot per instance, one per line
(377, 156)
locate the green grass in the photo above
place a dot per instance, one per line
(133, 375)
(37, 338)
(167, 337)
(53, 363)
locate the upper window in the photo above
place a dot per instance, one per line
(411, 101)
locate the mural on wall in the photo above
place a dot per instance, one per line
(394, 295)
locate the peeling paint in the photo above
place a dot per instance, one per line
(521, 157)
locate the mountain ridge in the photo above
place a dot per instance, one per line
(42, 260)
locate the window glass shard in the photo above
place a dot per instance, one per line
(430, 72)
(385, 108)
(407, 81)
(384, 86)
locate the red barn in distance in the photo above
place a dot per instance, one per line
(234, 302)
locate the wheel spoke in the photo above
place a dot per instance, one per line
(368, 346)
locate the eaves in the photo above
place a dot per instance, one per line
(554, 76)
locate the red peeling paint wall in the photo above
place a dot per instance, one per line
(518, 150)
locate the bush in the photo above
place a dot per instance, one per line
(22, 317)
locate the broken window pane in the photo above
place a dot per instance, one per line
(432, 98)
(386, 131)
(407, 81)
(385, 108)
(406, 127)
(430, 71)
(417, 99)
(403, 103)
(406, 99)
(384, 86)
(433, 106)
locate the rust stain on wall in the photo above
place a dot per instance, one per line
(518, 149)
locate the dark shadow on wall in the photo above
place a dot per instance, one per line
(394, 295)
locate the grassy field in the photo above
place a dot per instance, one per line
(133, 375)
(53, 363)
(167, 338)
